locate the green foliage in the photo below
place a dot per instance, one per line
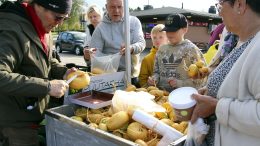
(76, 17)
(75, 20)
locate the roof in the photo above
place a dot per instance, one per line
(161, 13)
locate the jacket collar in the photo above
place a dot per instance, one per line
(154, 49)
(37, 25)
(11, 13)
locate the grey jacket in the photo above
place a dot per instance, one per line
(108, 37)
(25, 70)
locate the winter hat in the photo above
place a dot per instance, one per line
(58, 6)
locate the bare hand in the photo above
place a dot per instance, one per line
(73, 69)
(172, 82)
(206, 106)
(123, 49)
(203, 90)
(151, 81)
(58, 88)
(200, 75)
(88, 51)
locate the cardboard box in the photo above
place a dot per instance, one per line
(107, 82)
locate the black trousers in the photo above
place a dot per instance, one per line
(18, 137)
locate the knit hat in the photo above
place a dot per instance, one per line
(174, 22)
(58, 6)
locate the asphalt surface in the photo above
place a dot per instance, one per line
(68, 57)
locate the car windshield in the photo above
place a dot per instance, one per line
(79, 36)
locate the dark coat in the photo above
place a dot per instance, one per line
(25, 70)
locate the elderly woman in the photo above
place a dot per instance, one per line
(94, 16)
(233, 91)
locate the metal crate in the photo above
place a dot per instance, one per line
(64, 131)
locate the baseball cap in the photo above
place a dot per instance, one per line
(175, 22)
(58, 6)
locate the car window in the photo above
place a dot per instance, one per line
(69, 37)
(79, 36)
(63, 36)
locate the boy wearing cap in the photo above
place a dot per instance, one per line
(29, 74)
(172, 59)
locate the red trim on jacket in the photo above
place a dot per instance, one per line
(37, 25)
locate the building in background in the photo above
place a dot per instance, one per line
(200, 23)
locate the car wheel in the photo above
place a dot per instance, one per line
(78, 51)
(58, 49)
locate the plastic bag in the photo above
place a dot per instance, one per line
(129, 101)
(105, 64)
(196, 133)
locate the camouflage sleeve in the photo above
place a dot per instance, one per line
(156, 73)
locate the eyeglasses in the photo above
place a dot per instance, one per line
(219, 4)
(56, 16)
(60, 18)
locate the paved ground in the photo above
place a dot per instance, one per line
(67, 57)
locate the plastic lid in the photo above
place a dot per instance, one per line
(181, 98)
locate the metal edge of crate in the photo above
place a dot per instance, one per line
(179, 142)
(83, 126)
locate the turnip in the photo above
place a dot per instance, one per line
(137, 131)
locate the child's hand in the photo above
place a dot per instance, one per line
(151, 81)
(172, 82)
(200, 75)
